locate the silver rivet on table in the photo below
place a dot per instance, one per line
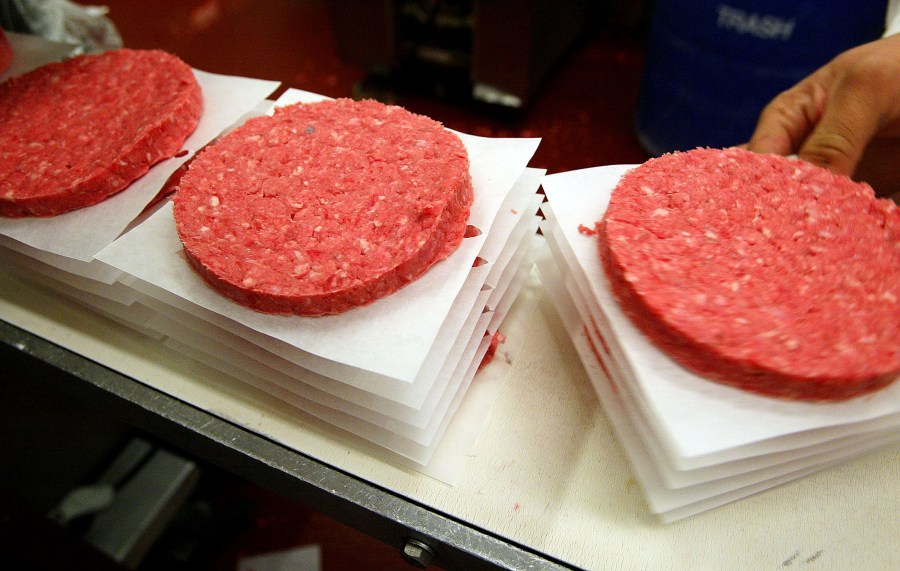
(417, 553)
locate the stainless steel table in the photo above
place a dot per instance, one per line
(546, 486)
(420, 532)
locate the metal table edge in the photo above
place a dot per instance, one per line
(371, 509)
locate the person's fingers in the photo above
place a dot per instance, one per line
(789, 118)
(830, 117)
(848, 124)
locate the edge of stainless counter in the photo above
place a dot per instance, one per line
(375, 511)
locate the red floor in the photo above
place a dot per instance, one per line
(583, 113)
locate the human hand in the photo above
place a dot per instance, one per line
(844, 116)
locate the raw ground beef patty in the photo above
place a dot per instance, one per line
(759, 271)
(324, 206)
(73, 133)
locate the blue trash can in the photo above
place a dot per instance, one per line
(712, 66)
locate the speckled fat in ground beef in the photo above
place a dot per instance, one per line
(759, 271)
(73, 133)
(324, 207)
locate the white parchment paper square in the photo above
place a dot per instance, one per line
(384, 342)
(697, 418)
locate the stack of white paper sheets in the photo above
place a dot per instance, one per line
(393, 372)
(693, 444)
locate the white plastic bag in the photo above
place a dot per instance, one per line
(68, 22)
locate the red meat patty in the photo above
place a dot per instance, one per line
(73, 133)
(758, 271)
(324, 206)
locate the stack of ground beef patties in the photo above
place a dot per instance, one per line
(73, 133)
(758, 271)
(324, 207)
